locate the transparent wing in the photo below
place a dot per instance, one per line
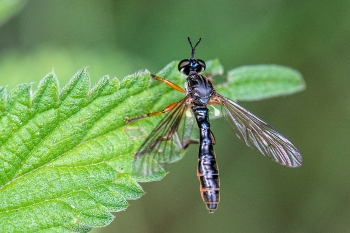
(166, 142)
(259, 135)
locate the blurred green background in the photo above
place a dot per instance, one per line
(121, 37)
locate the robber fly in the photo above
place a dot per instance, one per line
(173, 133)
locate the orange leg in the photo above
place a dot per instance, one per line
(167, 82)
(167, 109)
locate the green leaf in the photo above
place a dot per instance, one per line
(213, 68)
(261, 81)
(66, 155)
(65, 159)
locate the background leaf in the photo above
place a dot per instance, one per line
(262, 81)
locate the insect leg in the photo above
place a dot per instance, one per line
(167, 82)
(185, 144)
(167, 109)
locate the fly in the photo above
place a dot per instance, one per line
(173, 133)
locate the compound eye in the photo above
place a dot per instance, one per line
(184, 66)
(201, 65)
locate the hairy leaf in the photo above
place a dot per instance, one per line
(66, 155)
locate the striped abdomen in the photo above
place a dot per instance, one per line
(208, 173)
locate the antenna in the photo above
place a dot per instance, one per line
(193, 48)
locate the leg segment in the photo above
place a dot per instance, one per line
(167, 82)
(167, 109)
